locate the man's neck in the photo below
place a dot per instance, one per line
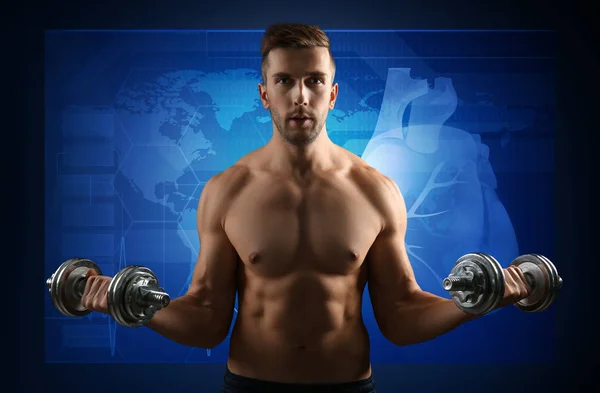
(300, 161)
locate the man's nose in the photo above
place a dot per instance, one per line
(300, 96)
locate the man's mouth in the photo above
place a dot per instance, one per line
(300, 119)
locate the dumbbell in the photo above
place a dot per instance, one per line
(476, 283)
(134, 294)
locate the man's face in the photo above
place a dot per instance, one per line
(298, 92)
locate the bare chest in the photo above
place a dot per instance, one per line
(278, 229)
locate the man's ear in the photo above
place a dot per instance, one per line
(333, 96)
(262, 92)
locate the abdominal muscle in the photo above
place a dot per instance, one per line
(303, 328)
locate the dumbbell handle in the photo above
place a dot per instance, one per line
(463, 282)
(150, 296)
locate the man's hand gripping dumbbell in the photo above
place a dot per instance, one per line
(131, 297)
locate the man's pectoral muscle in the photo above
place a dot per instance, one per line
(404, 313)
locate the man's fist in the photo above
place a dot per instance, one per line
(516, 287)
(95, 295)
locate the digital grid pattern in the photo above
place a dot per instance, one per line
(138, 122)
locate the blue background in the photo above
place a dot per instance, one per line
(575, 211)
(137, 122)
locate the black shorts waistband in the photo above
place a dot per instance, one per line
(234, 383)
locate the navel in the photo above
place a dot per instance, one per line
(254, 257)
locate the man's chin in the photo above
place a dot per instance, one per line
(300, 139)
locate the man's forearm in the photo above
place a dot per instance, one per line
(423, 317)
(186, 321)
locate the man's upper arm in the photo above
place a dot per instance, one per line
(214, 278)
(391, 277)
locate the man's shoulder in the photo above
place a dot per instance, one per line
(232, 180)
(229, 180)
(372, 181)
(381, 190)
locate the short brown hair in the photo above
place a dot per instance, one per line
(292, 35)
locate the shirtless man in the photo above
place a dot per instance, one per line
(297, 228)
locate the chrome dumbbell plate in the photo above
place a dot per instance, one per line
(547, 282)
(128, 300)
(66, 286)
(476, 283)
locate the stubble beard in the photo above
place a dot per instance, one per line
(299, 136)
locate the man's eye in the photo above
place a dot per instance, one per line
(316, 80)
(281, 80)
